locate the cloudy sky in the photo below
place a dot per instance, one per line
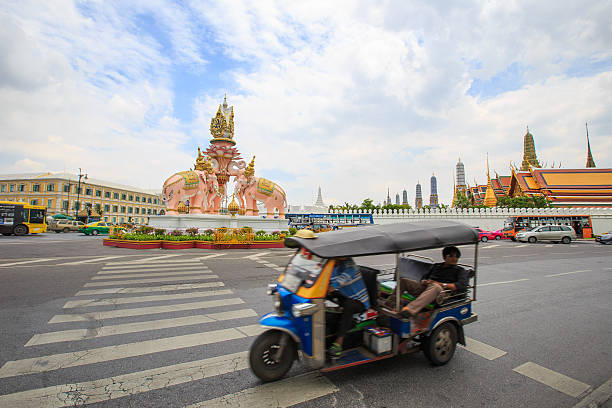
(350, 96)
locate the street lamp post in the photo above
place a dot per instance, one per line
(78, 204)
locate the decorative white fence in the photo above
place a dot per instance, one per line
(486, 218)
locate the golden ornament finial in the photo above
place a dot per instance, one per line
(250, 170)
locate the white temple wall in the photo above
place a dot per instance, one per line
(490, 218)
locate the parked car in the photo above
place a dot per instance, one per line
(95, 228)
(605, 239)
(65, 226)
(562, 233)
(484, 236)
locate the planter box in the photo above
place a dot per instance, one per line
(138, 244)
(177, 244)
(267, 244)
(204, 244)
(110, 242)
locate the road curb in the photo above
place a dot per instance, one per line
(598, 397)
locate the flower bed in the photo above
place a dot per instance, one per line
(221, 238)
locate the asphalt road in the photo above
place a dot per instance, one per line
(82, 323)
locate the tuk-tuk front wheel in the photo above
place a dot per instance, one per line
(439, 347)
(268, 361)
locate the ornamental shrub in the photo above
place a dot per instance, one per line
(209, 232)
(191, 231)
(176, 233)
(260, 232)
(159, 231)
(292, 230)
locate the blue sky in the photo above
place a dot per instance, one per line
(354, 98)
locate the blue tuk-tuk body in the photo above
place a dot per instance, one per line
(303, 319)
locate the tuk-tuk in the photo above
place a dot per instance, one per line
(305, 320)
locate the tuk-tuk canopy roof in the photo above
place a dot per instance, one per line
(385, 239)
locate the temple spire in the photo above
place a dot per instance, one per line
(319, 202)
(529, 153)
(490, 200)
(590, 162)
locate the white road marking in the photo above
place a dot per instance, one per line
(514, 256)
(157, 265)
(567, 273)
(553, 379)
(116, 352)
(91, 392)
(141, 299)
(152, 280)
(548, 246)
(255, 256)
(271, 265)
(112, 330)
(142, 311)
(500, 283)
(210, 256)
(279, 394)
(195, 267)
(280, 269)
(106, 277)
(151, 289)
(163, 258)
(28, 262)
(521, 246)
(91, 260)
(598, 397)
(482, 349)
(490, 246)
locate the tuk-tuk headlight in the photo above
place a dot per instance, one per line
(278, 305)
(304, 309)
(271, 289)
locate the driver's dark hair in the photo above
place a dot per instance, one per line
(450, 250)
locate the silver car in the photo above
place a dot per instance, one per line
(563, 233)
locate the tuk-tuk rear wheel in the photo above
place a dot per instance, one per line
(266, 365)
(439, 347)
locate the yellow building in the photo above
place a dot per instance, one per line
(113, 202)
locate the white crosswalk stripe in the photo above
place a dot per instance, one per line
(152, 289)
(150, 294)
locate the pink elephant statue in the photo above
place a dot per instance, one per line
(199, 187)
(253, 189)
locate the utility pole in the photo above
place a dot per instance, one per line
(78, 204)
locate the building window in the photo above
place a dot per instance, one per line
(21, 188)
(106, 208)
(155, 201)
(35, 187)
(137, 210)
(12, 188)
(65, 205)
(115, 208)
(2, 188)
(88, 191)
(116, 196)
(78, 190)
(123, 197)
(49, 204)
(114, 219)
(123, 210)
(107, 194)
(34, 202)
(97, 207)
(66, 188)
(137, 199)
(154, 212)
(130, 210)
(122, 219)
(131, 198)
(50, 187)
(98, 193)
(149, 200)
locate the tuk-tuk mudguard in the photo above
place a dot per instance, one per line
(280, 322)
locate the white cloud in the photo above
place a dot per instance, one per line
(353, 97)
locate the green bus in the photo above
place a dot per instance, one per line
(22, 218)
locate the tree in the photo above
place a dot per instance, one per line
(535, 201)
(462, 201)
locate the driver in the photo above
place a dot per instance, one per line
(442, 276)
(346, 288)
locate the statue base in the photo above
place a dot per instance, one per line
(212, 221)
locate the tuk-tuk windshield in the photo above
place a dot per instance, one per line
(303, 270)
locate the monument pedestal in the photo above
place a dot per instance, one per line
(212, 221)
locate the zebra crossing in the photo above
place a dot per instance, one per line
(126, 311)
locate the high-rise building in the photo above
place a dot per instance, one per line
(405, 197)
(433, 197)
(418, 201)
(397, 200)
(529, 153)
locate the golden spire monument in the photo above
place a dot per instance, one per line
(490, 200)
(529, 153)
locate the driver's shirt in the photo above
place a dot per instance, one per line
(347, 280)
(449, 274)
